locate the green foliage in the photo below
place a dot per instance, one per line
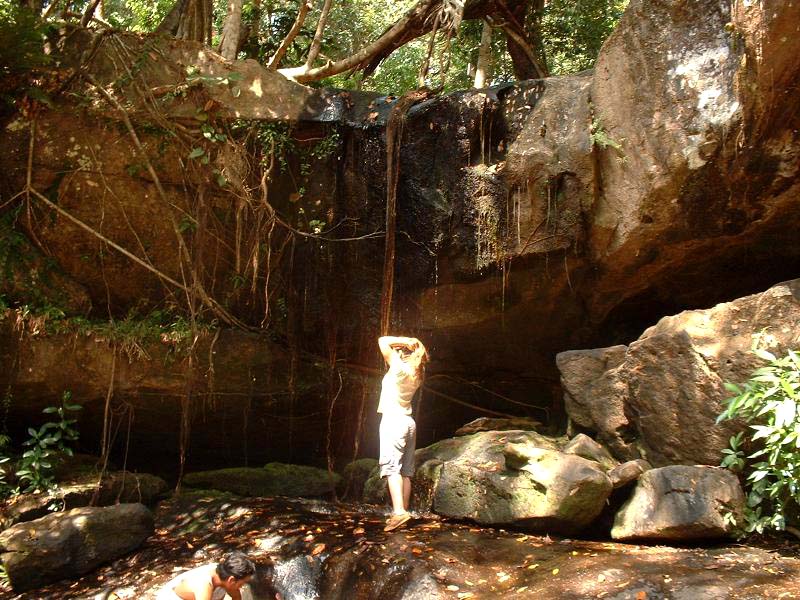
(573, 31)
(51, 440)
(768, 402)
(136, 15)
(601, 139)
(21, 39)
(13, 245)
(25, 275)
(130, 334)
(5, 487)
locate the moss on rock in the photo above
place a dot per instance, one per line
(274, 479)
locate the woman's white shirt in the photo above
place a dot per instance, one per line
(398, 387)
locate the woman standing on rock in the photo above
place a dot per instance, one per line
(406, 358)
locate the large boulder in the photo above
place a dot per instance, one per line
(680, 503)
(515, 478)
(274, 479)
(71, 543)
(677, 202)
(659, 397)
(114, 487)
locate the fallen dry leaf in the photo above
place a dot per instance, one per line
(317, 549)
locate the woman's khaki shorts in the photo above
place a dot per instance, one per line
(398, 436)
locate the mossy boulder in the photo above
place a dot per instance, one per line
(71, 543)
(517, 478)
(82, 490)
(274, 479)
(355, 476)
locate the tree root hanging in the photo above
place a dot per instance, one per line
(394, 134)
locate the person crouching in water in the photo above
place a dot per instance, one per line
(406, 358)
(211, 582)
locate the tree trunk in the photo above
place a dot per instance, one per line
(36, 6)
(89, 13)
(169, 25)
(483, 71)
(229, 42)
(254, 28)
(521, 22)
(189, 20)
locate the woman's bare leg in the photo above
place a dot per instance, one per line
(397, 491)
(406, 493)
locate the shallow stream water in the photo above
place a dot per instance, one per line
(330, 551)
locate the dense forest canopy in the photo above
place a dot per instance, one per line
(372, 45)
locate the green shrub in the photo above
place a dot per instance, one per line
(21, 39)
(51, 439)
(768, 403)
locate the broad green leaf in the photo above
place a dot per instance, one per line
(733, 388)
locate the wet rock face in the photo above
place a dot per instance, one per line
(525, 231)
(681, 503)
(660, 396)
(71, 543)
(239, 388)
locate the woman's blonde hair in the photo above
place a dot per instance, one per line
(417, 359)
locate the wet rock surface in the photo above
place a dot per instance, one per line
(326, 551)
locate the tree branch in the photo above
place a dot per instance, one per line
(396, 36)
(276, 59)
(316, 43)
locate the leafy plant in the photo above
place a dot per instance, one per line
(768, 402)
(50, 440)
(5, 488)
(21, 39)
(573, 31)
(600, 137)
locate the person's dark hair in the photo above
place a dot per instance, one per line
(236, 565)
